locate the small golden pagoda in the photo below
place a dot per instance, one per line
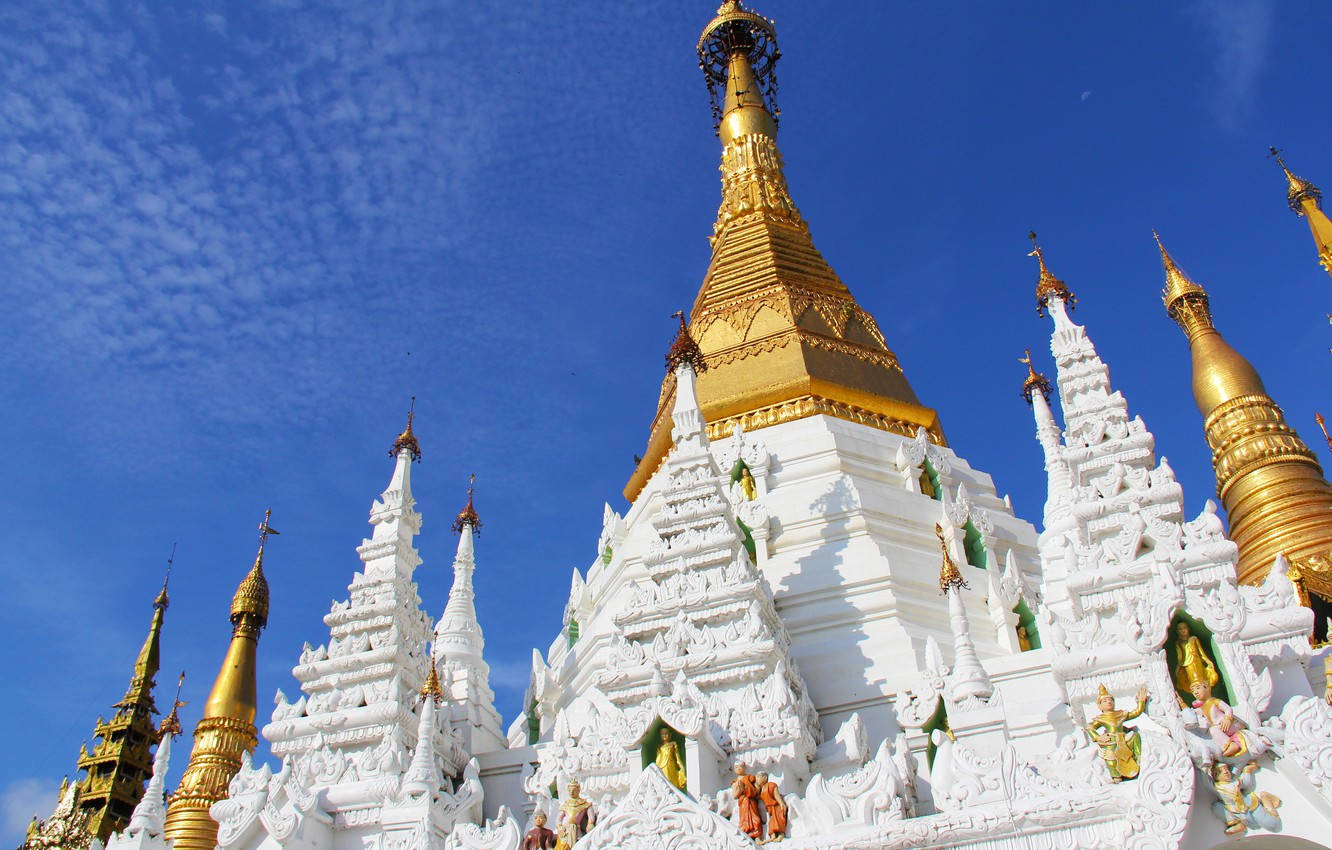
(1269, 481)
(227, 729)
(121, 758)
(1305, 200)
(782, 336)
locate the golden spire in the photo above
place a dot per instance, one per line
(1322, 425)
(117, 767)
(1305, 199)
(949, 577)
(1269, 481)
(407, 439)
(227, 728)
(782, 336)
(1047, 285)
(1035, 382)
(1219, 372)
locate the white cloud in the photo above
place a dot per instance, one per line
(195, 226)
(1241, 32)
(20, 800)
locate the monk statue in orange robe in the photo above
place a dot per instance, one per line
(746, 792)
(771, 796)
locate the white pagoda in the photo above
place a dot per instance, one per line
(809, 583)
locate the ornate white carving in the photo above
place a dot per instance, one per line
(872, 795)
(1308, 740)
(655, 815)
(503, 833)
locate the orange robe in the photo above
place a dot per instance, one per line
(746, 794)
(776, 806)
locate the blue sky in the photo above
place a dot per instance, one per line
(236, 237)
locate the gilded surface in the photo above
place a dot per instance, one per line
(227, 728)
(214, 760)
(782, 336)
(1269, 481)
(121, 759)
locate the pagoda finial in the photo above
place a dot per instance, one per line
(1185, 301)
(1036, 382)
(738, 54)
(949, 577)
(1047, 285)
(1318, 417)
(1305, 199)
(171, 723)
(684, 349)
(251, 599)
(467, 516)
(407, 439)
(1299, 190)
(162, 601)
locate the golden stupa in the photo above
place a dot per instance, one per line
(781, 335)
(1269, 481)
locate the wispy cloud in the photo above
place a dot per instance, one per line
(215, 224)
(1240, 32)
(19, 801)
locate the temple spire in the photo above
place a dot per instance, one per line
(226, 730)
(423, 776)
(460, 645)
(968, 679)
(119, 763)
(1305, 200)
(1269, 481)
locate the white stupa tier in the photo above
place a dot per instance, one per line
(777, 603)
(367, 760)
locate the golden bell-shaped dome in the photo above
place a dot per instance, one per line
(252, 594)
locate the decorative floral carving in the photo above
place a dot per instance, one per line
(655, 815)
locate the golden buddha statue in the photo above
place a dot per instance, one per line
(1121, 746)
(669, 759)
(1192, 661)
